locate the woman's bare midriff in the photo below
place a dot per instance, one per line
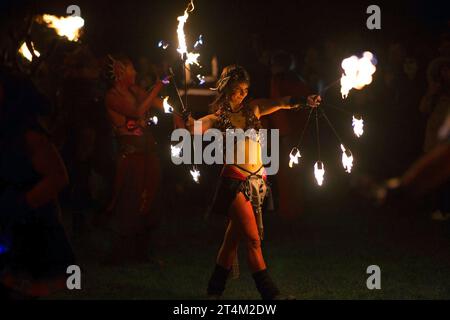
(253, 161)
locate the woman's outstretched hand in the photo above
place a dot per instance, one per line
(313, 100)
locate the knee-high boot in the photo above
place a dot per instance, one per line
(217, 282)
(265, 285)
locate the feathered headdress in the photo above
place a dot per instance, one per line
(115, 68)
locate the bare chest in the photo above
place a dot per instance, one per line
(128, 98)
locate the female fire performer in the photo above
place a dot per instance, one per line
(138, 170)
(242, 189)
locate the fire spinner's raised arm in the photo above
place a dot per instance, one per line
(145, 101)
(149, 97)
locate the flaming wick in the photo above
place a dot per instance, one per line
(358, 126)
(167, 107)
(293, 156)
(195, 174)
(175, 151)
(319, 172)
(26, 53)
(357, 72)
(68, 27)
(347, 159)
(189, 57)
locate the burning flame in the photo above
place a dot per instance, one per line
(357, 72)
(358, 126)
(26, 53)
(295, 154)
(195, 175)
(68, 27)
(319, 172)
(191, 58)
(347, 159)
(167, 107)
(175, 151)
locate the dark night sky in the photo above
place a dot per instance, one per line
(134, 27)
(138, 24)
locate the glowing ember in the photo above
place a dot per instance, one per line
(166, 80)
(357, 72)
(347, 159)
(153, 120)
(191, 58)
(167, 107)
(176, 151)
(319, 172)
(163, 44)
(26, 53)
(199, 42)
(293, 156)
(195, 175)
(358, 126)
(68, 27)
(201, 79)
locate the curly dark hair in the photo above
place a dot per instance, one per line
(231, 76)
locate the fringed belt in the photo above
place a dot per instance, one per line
(255, 188)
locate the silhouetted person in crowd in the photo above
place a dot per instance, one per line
(436, 104)
(34, 250)
(137, 177)
(428, 174)
(285, 82)
(79, 125)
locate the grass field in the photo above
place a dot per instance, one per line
(321, 255)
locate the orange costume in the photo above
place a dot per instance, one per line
(137, 166)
